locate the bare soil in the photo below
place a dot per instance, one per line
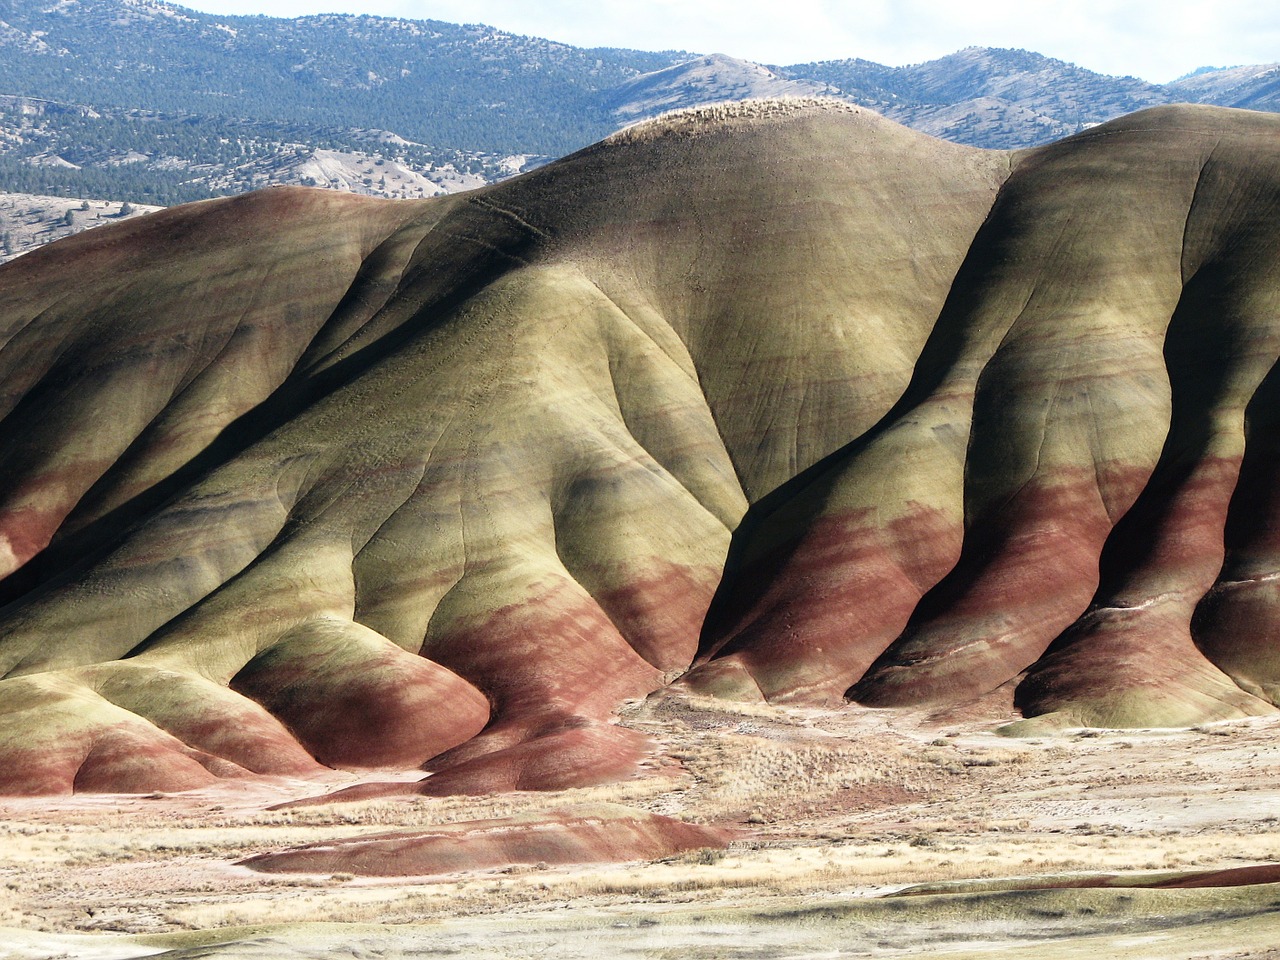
(840, 810)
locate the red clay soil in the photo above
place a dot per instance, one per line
(847, 576)
(397, 709)
(999, 592)
(1232, 877)
(567, 752)
(126, 758)
(601, 833)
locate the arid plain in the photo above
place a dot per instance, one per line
(857, 833)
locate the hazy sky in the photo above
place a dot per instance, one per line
(1153, 39)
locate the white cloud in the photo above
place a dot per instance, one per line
(1154, 39)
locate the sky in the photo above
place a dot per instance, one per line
(1157, 40)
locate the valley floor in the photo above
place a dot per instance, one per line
(837, 812)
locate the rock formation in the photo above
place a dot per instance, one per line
(780, 400)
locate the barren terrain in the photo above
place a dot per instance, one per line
(838, 810)
(764, 558)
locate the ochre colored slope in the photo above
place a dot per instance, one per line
(301, 480)
(596, 833)
(489, 483)
(1115, 314)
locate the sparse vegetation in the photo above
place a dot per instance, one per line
(31, 221)
(841, 819)
(184, 107)
(694, 120)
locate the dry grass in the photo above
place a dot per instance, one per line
(828, 805)
(689, 121)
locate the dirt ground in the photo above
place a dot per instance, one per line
(838, 811)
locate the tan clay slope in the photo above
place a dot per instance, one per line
(1066, 465)
(298, 480)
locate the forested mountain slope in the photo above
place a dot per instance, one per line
(150, 102)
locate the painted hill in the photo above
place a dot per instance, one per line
(597, 833)
(302, 478)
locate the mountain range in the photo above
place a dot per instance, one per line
(150, 102)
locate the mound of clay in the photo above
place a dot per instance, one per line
(784, 400)
(1072, 485)
(599, 833)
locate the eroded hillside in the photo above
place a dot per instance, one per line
(785, 393)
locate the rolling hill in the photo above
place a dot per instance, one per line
(301, 479)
